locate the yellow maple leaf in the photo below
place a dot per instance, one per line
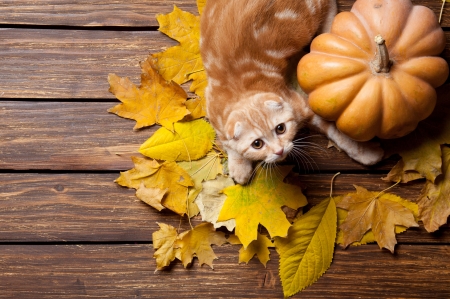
(260, 202)
(164, 240)
(201, 4)
(197, 106)
(189, 141)
(161, 176)
(177, 62)
(154, 101)
(183, 63)
(307, 252)
(377, 211)
(259, 248)
(197, 242)
(434, 201)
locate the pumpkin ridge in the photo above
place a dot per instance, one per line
(336, 105)
(407, 98)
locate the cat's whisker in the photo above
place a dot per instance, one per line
(255, 171)
(306, 137)
(310, 145)
(306, 159)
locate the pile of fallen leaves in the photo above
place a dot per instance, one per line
(183, 171)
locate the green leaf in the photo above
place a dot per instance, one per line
(307, 252)
(189, 141)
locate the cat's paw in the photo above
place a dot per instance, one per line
(369, 153)
(240, 172)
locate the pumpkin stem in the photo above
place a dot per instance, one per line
(381, 63)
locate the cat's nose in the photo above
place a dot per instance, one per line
(279, 153)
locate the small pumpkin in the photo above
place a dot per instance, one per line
(376, 72)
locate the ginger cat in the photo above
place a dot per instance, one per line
(246, 46)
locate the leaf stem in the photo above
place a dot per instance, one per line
(383, 191)
(331, 185)
(442, 10)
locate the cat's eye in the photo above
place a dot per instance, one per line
(280, 129)
(258, 143)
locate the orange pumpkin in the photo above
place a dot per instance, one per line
(376, 72)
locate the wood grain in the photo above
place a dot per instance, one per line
(74, 64)
(38, 63)
(84, 136)
(92, 208)
(133, 13)
(126, 271)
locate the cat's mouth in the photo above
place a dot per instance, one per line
(277, 157)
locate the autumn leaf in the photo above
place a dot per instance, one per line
(201, 170)
(197, 242)
(197, 106)
(151, 196)
(307, 252)
(189, 141)
(377, 211)
(434, 200)
(399, 174)
(260, 202)
(183, 63)
(259, 248)
(164, 240)
(211, 199)
(369, 236)
(154, 101)
(201, 4)
(161, 176)
(177, 62)
(421, 149)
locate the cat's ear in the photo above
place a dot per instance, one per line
(273, 104)
(233, 132)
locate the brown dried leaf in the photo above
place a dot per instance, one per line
(377, 211)
(434, 201)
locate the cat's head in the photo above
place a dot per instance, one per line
(263, 128)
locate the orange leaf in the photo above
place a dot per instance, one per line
(155, 101)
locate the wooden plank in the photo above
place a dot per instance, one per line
(37, 63)
(135, 13)
(89, 13)
(126, 271)
(74, 64)
(75, 207)
(92, 208)
(66, 136)
(83, 136)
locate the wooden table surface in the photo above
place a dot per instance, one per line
(68, 231)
